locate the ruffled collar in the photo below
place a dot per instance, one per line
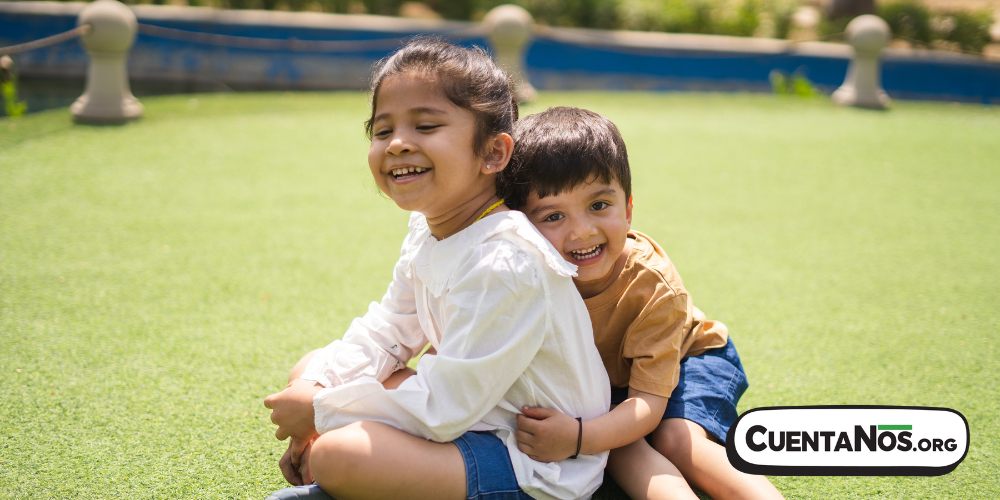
(434, 261)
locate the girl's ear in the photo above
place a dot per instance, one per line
(501, 147)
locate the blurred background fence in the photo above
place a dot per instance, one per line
(940, 52)
(945, 24)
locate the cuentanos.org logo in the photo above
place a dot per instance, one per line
(848, 441)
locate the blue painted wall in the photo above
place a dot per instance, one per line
(551, 63)
(903, 78)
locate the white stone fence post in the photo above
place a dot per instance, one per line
(107, 97)
(509, 29)
(862, 87)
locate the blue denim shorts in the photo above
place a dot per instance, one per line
(709, 387)
(488, 472)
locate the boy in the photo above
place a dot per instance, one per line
(676, 377)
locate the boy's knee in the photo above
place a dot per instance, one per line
(673, 437)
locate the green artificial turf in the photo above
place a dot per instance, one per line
(158, 279)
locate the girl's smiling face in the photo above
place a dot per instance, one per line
(589, 226)
(421, 153)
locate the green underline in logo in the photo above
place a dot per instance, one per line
(895, 427)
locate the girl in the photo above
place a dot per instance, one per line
(477, 282)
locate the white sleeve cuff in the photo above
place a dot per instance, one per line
(328, 403)
(319, 368)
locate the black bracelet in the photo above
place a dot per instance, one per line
(579, 437)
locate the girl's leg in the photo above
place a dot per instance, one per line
(398, 377)
(644, 474)
(704, 463)
(370, 460)
(300, 367)
(304, 467)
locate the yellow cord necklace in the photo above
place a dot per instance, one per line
(488, 210)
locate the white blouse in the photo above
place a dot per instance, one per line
(510, 329)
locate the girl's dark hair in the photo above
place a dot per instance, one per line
(469, 78)
(561, 148)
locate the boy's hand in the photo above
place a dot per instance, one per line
(293, 411)
(546, 435)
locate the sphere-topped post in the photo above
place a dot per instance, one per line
(509, 28)
(862, 87)
(107, 97)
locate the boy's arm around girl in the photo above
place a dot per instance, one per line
(498, 351)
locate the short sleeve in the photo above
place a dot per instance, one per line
(655, 344)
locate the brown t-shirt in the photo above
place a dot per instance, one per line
(644, 323)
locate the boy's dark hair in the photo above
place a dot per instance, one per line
(469, 78)
(561, 148)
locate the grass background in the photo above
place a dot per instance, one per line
(157, 280)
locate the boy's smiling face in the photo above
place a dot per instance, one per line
(589, 226)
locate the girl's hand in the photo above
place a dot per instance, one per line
(293, 411)
(294, 463)
(546, 435)
(304, 473)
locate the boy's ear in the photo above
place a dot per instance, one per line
(628, 212)
(501, 148)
